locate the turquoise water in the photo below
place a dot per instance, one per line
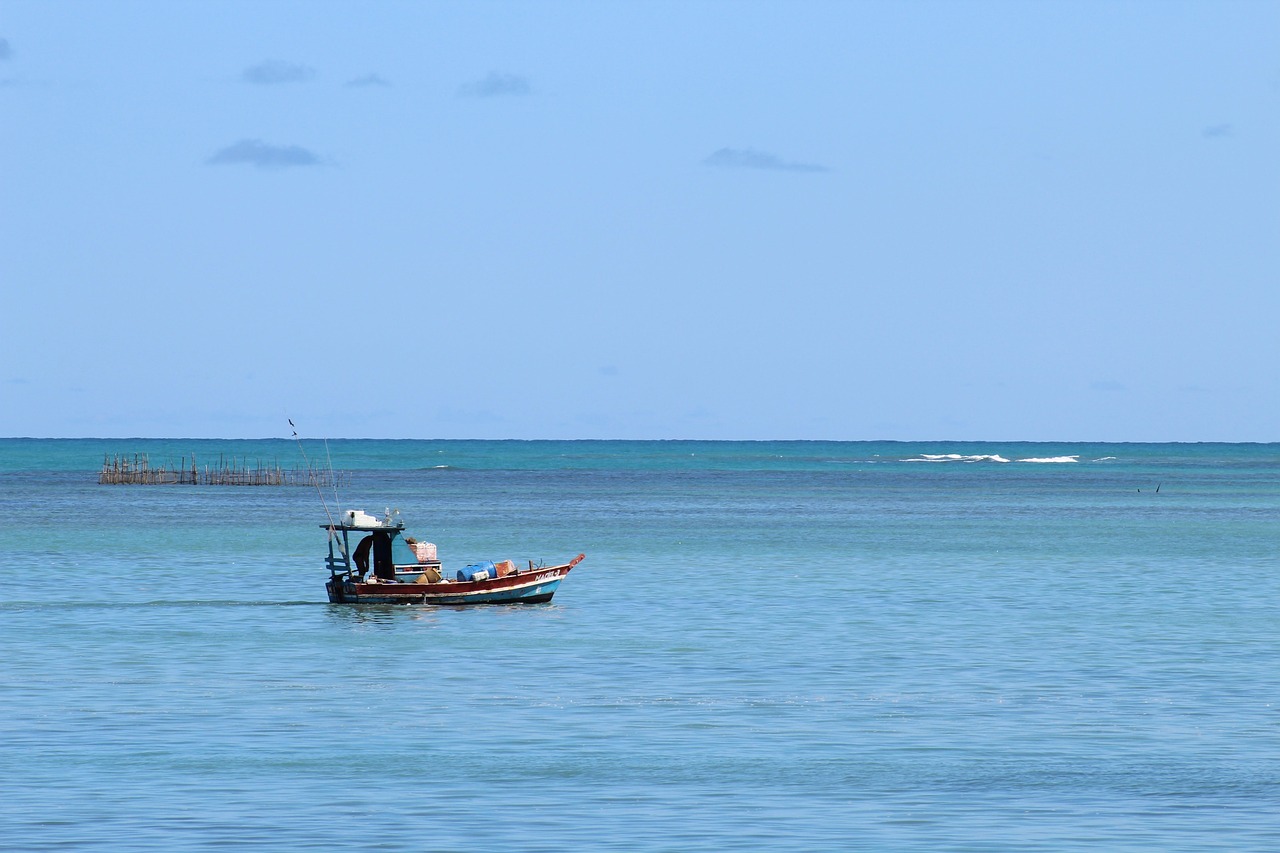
(770, 646)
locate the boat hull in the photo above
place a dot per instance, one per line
(535, 586)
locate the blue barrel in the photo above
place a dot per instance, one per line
(469, 572)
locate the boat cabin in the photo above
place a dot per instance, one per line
(361, 544)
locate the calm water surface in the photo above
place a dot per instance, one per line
(770, 646)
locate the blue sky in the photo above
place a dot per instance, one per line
(854, 220)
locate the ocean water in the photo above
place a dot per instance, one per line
(770, 646)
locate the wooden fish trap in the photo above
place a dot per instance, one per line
(137, 470)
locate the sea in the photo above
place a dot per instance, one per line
(941, 646)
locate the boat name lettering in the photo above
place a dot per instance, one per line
(546, 576)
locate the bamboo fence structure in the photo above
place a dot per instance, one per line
(136, 470)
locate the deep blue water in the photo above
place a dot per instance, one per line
(770, 646)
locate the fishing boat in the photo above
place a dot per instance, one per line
(371, 561)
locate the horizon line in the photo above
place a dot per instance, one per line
(690, 440)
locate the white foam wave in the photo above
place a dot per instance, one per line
(1051, 460)
(956, 457)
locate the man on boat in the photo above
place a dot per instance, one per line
(361, 555)
(383, 567)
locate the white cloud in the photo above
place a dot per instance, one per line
(273, 72)
(749, 158)
(497, 85)
(367, 81)
(255, 152)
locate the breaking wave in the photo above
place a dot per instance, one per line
(989, 457)
(955, 457)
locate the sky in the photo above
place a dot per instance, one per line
(1054, 221)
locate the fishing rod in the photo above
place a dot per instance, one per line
(333, 478)
(314, 480)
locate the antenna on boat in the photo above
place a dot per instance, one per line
(323, 503)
